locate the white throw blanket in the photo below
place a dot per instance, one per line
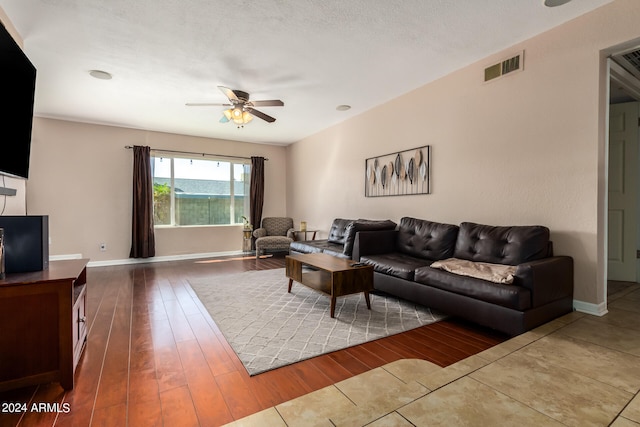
(497, 273)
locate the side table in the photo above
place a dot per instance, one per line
(306, 234)
(246, 240)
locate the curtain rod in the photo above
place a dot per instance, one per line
(192, 152)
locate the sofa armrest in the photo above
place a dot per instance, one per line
(549, 279)
(374, 243)
(259, 232)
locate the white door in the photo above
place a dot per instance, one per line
(623, 188)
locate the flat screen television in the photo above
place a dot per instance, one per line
(18, 77)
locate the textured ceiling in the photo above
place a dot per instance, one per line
(313, 55)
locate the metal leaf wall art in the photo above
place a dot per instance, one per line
(398, 174)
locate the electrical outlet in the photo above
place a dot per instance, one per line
(103, 247)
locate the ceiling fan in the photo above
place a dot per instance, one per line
(241, 110)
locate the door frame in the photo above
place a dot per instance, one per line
(613, 73)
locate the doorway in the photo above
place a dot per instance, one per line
(623, 204)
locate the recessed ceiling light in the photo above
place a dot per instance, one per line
(99, 74)
(554, 3)
(343, 107)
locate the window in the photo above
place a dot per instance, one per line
(199, 192)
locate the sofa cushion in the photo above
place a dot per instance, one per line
(337, 252)
(497, 273)
(502, 245)
(425, 239)
(315, 246)
(395, 264)
(338, 231)
(364, 225)
(510, 296)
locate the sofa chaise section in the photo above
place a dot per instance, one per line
(341, 238)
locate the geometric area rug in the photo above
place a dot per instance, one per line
(268, 327)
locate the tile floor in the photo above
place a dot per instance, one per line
(578, 370)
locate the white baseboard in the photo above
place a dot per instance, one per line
(147, 260)
(590, 308)
(63, 257)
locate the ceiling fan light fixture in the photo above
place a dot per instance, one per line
(237, 115)
(241, 111)
(244, 118)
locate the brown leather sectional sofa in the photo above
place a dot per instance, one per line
(540, 290)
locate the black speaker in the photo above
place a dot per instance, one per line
(26, 242)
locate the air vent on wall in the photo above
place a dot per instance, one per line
(506, 66)
(629, 60)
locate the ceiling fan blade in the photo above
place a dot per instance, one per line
(228, 93)
(206, 104)
(268, 103)
(223, 119)
(261, 115)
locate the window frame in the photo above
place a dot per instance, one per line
(233, 162)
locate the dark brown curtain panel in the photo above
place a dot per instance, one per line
(143, 242)
(256, 194)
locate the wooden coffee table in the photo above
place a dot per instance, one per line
(332, 276)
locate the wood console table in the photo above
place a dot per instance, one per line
(43, 328)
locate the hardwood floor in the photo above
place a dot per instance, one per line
(154, 357)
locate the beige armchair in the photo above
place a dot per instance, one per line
(275, 235)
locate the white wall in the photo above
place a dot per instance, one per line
(525, 149)
(13, 205)
(81, 176)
